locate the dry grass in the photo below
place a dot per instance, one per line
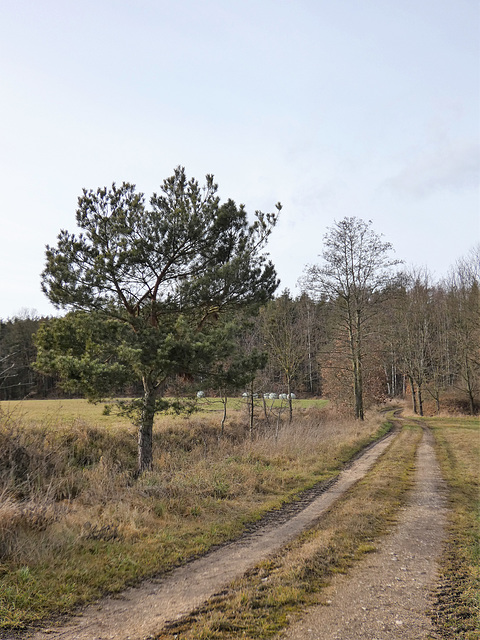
(457, 610)
(74, 520)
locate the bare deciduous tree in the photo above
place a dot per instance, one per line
(284, 338)
(464, 299)
(355, 275)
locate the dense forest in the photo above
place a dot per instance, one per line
(421, 340)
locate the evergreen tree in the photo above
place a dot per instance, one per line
(149, 289)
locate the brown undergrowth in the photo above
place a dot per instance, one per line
(75, 524)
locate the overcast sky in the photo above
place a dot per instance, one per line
(366, 108)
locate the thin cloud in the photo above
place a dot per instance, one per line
(450, 167)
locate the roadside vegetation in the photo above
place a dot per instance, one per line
(457, 608)
(75, 523)
(272, 595)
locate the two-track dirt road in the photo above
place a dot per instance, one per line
(396, 579)
(387, 595)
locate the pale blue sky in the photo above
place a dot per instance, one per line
(353, 107)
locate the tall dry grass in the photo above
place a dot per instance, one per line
(74, 519)
(456, 611)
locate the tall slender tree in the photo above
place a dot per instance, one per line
(463, 287)
(416, 332)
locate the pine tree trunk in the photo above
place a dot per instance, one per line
(145, 431)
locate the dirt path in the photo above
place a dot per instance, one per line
(143, 611)
(386, 596)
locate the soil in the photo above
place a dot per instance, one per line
(388, 595)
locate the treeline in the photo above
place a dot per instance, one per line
(420, 339)
(178, 293)
(18, 378)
